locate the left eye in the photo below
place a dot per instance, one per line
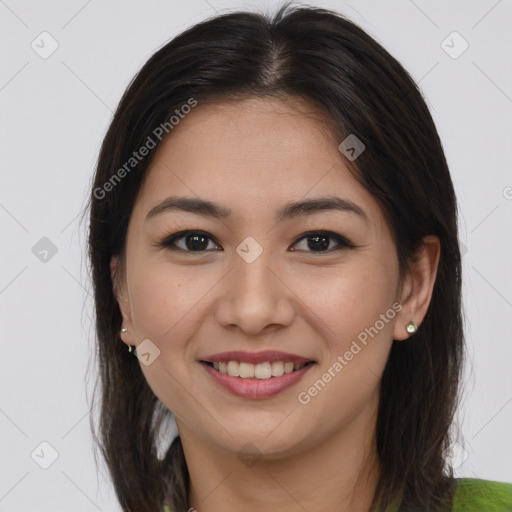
(320, 240)
(197, 241)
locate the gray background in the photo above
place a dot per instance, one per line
(54, 113)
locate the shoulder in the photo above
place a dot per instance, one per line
(476, 495)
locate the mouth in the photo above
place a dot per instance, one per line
(256, 375)
(261, 371)
(261, 380)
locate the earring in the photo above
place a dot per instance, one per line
(411, 327)
(130, 347)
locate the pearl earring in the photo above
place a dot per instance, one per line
(411, 327)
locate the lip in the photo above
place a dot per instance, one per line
(257, 388)
(255, 357)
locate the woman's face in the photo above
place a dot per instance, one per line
(252, 281)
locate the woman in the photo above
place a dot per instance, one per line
(273, 233)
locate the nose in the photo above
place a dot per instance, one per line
(255, 297)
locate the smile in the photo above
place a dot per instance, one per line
(261, 371)
(260, 385)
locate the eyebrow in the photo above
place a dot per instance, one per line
(289, 211)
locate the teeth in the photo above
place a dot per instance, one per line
(277, 369)
(233, 369)
(246, 370)
(260, 371)
(263, 371)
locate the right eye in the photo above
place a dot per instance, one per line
(193, 241)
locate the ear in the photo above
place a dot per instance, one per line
(418, 287)
(121, 293)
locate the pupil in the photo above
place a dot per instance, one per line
(195, 244)
(323, 245)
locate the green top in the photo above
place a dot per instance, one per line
(475, 495)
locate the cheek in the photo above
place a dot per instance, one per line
(155, 309)
(349, 301)
(164, 298)
(356, 319)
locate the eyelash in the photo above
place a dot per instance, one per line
(342, 242)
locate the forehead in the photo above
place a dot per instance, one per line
(252, 155)
(256, 134)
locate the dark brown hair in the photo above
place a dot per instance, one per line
(324, 58)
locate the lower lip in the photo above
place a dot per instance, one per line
(257, 388)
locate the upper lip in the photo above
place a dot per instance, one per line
(255, 357)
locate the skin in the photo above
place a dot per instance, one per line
(253, 156)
